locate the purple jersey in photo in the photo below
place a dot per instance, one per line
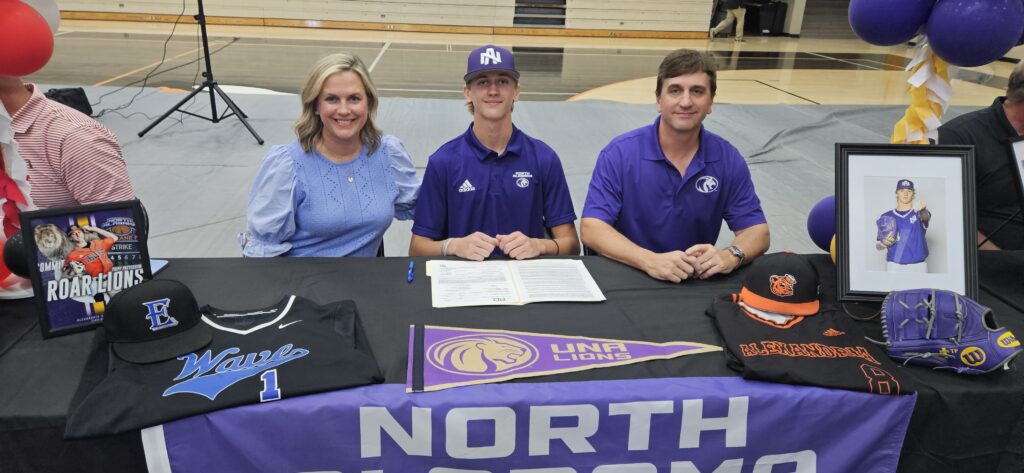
(910, 246)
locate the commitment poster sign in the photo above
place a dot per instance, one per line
(447, 357)
(669, 425)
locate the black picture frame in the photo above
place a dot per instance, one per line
(72, 283)
(868, 269)
(1017, 151)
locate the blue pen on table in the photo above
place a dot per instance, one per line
(412, 274)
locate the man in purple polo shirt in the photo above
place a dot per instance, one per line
(493, 190)
(659, 193)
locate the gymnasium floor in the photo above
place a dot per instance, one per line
(759, 70)
(784, 102)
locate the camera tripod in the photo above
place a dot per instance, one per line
(211, 85)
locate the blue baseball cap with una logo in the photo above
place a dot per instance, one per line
(905, 184)
(489, 58)
(155, 321)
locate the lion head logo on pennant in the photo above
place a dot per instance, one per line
(481, 354)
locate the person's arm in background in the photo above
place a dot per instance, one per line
(92, 166)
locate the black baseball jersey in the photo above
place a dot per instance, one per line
(825, 349)
(293, 348)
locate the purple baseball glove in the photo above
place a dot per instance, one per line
(886, 227)
(945, 330)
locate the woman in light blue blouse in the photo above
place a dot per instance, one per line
(336, 189)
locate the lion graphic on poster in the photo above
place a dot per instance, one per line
(52, 242)
(482, 354)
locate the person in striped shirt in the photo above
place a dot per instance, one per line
(71, 158)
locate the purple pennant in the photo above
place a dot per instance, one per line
(448, 357)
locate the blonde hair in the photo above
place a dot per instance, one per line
(309, 127)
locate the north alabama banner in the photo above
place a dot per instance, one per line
(447, 357)
(670, 425)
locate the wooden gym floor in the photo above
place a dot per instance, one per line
(762, 70)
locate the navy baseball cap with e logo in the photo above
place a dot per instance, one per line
(154, 321)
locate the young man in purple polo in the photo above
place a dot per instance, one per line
(493, 191)
(903, 238)
(659, 193)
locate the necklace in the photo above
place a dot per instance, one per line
(323, 151)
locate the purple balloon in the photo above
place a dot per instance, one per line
(969, 33)
(888, 22)
(821, 222)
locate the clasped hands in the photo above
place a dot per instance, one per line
(699, 261)
(478, 246)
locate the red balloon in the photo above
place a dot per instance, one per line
(26, 42)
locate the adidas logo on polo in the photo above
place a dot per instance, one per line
(466, 187)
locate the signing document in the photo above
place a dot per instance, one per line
(474, 283)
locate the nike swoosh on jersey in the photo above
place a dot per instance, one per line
(289, 323)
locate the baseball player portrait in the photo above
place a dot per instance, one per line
(89, 255)
(901, 231)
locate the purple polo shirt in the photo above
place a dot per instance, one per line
(639, 192)
(468, 188)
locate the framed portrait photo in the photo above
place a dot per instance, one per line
(904, 219)
(81, 256)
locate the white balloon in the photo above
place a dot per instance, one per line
(49, 10)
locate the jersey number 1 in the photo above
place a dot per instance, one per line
(270, 390)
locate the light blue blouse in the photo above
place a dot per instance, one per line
(302, 204)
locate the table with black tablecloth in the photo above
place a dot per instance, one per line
(959, 423)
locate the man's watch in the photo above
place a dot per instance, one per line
(737, 252)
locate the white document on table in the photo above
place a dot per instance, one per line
(476, 283)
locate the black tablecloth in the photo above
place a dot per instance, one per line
(960, 423)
